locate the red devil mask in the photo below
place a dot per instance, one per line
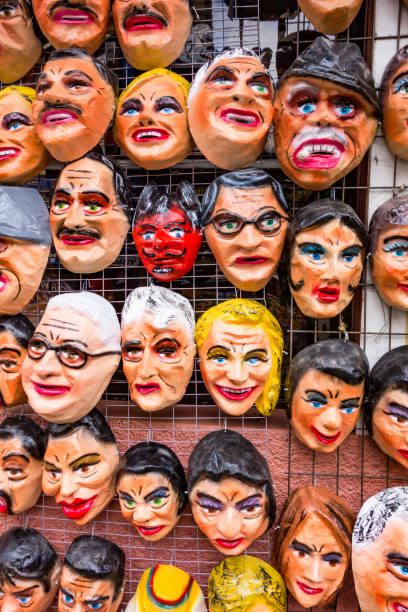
(166, 232)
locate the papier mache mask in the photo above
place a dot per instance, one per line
(29, 571)
(326, 247)
(388, 234)
(166, 230)
(240, 346)
(151, 34)
(246, 584)
(20, 48)
(73, 24)
(326, 387)
(157, 346)
(326, 114)
(152, 489)
(245, 216)
(74, 104)
(151, 120)
(25, 242)
(380, 552)
(230, 108)
(80, 334)
(15, 334)
(168, 587)
(93, 575)
(22, 154)
(386, 414)
(89, 213)
(330, 17)
(228, 483)
(80, 466)
(22, 447)
(313, 547)
(394, 103)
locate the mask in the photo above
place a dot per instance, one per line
(245, 226)
(326, 251)
(93, 576)
(81, 334)
(151, 489)
(246, 584)
(25, 240)
(169, 584)
(15, 332)
(80, 465)
(325, 390)
(151, 120)
(314, 545)
(157, 346)
(21, 455)
(20, 48)
(240, 347)
(151, 34)
(88, 217)
(330, 18)
(389, 252)
(30, 571)
(72, 24)
(326, 114)
(393, 100)
(387, 413)
(166, 231)
(74, 104)
(380, 547)
(224, 493)
(230, 109)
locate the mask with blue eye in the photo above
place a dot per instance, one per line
(394, 88)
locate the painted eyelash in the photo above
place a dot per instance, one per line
(312, 249)
(399, 84)
(351, 251)
(398, 244)
(209, 506)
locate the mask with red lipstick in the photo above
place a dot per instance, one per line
(80, 466)
(326, 114)
(74, 104)
(313, 545)
(326, 387)
(166, 230)
(326, 243)
(152, 33)
(21, 464)
(230, 491)
(230, 108)
(73, 23)
(72, 356)
(386, 413)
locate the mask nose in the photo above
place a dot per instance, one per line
(331, 418)
(229, 524)
(75, 217)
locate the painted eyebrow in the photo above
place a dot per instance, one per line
(154, 493)
(216, 70)
(9, 348)
(352, 401)
(30, 588)
(202, 495)
(66, 592)
(131, 343)
(303, 88)
(405, 73)
(257, 75)
(125, 496)
(63, 191)
(301, 547)
(93, 191)
(82, 459)
(50, 466)
(317, 393)
(97, 599)
(169, 339)
(254, 497)
(392, 238)
(218, 346)
(398, 409)
(72, 340)
(397, 557)
(69, 72)
(19, 455)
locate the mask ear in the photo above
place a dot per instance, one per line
(116, 604)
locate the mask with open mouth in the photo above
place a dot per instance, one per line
(394, 103)
(326, 114)
(89, 213)
(330, 17)
(230, 108)
(74, 104)
(73, 23)
(326, 387)
(166, 230)
(151, 34)
(151, 120)
(326, 246)
(240, 345)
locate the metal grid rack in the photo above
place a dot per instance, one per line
(358, 469)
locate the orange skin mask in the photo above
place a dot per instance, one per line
(231, 513)
(151, 34)
(26, 594)
(322, 130)
(151, 123)
(20, 477)
(395, 112)
(84, 201)
(83, 592)
(234, 253)
(389, 266)
(390, 424)
(12, 355)
(71, 25)
(20, 48)
(330, 17)
(73, 107)
(325, 410)
(230, 111)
